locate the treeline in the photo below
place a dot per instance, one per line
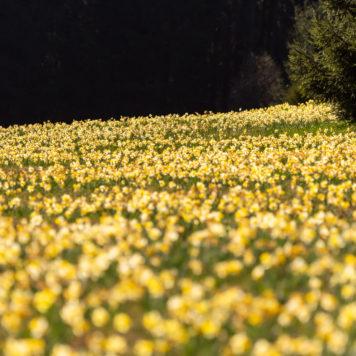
(65, 59)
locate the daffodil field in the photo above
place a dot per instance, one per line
(194, 235)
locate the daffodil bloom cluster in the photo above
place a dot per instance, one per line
(213, 234)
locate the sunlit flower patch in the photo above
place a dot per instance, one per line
(212, 234)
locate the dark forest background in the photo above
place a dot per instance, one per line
(76, 59)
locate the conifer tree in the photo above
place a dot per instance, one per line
(322, 57)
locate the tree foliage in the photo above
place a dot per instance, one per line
(322, 57)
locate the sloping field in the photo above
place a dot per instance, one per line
(200, 235)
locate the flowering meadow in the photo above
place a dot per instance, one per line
(194, 235)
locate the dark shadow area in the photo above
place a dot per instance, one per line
(75, 59)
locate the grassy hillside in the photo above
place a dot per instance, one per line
(200, 235)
